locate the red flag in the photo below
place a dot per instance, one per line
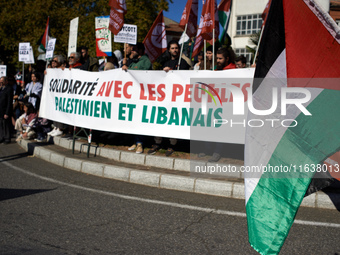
(210, 21)
(155, 41)
(199, 42)
(118, 4)
(265, 12)
(118, 10)
(189, 17)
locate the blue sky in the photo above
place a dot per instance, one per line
(177, 7)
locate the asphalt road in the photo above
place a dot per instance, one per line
(46, 209)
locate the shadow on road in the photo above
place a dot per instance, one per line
(6, 194)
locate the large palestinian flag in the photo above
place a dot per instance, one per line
(300, 49)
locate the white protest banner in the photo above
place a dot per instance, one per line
(103, 36)
(24, 52)
(152, 103)
(31, 59)
(50, 48)
(73, 35)
(128, 34)
(3, 70)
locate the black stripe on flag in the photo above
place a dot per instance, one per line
(272, 43)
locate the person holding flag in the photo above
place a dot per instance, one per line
(172, 63)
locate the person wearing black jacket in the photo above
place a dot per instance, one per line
(6, 110)
(172, 63)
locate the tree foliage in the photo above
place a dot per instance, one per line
(254, 39)
(25, 21)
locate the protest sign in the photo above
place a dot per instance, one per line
(50, 48)
(3, 70)
(103, 36)
(31, 57)
(24, 52)
(128, 34)
(73, 34)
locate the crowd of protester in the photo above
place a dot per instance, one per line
(20, 96)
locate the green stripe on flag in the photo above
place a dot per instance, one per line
(223, 19)
(273, 204)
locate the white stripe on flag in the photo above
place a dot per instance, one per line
(257, 147)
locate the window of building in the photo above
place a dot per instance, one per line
(246, 53)
(248, 24)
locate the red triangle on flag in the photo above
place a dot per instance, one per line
(311, 50)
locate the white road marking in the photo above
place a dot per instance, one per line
(158, 202)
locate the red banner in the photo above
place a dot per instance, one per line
(155, 41)
(210, 21)
(199, 42)
(118, 10)
(189, 17)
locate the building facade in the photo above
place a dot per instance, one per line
(246, 20)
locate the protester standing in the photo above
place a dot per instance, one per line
(172, 64)
(6, 110)
(89, 63)
(34, 90)
(138, 61)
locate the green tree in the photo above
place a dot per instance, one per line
(254, 39)
(25, 21)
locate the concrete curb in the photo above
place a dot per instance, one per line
(220, 188)
(146, 160)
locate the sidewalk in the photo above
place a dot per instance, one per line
(155, 171)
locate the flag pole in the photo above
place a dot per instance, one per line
(180, 56)
(124, 54)
(23, 72)
(258, 45)
(213, 56)
(46, 40)
(205, 57)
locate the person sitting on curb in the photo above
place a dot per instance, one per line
(24, 124)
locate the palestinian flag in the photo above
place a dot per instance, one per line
(44, 38)
(300, 50)
(224, 10)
